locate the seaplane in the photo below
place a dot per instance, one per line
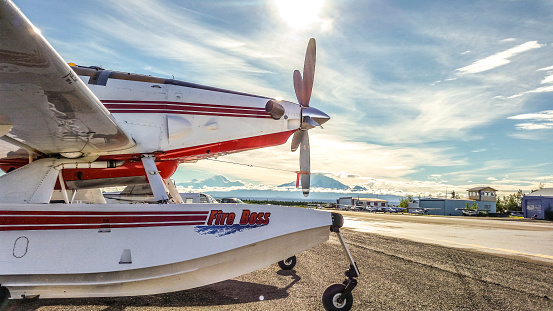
(473, 211)
(70, 130)
(420, 210)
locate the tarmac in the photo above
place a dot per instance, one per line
(396, 274)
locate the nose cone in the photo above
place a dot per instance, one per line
(315, 114)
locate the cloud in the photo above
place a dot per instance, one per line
(498, 59)
(548, 79)
(534, 126)
(189, 45)
(542, 120)
(526, 136)
(543, 89)
(432, 115)
(546, 115)
(546, 68)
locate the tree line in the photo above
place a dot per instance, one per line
(511, 202)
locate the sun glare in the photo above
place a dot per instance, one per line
(299, 14)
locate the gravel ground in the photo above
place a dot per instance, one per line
(396, 274)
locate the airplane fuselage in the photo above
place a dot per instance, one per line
(176, 121)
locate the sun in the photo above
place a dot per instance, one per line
(299, 14)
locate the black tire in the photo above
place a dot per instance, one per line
(331, 295)
(288, 264)
(4, 295)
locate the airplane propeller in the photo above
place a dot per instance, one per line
(310, 117)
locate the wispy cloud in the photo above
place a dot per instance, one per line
(546, 115)
(498, 59)
(548, 78)
(543, 89)
(546, 68)
(542, 120)
(534, 126)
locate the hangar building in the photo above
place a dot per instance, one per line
(484, 197)
(537, 203)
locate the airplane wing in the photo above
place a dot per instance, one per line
(44, 106)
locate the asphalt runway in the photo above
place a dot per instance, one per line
(396, 274)
(508, 236)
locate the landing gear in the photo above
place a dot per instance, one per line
(288, 264)
(335, 300)
(4, 295)
(338, 296)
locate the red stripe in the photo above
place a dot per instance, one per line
(184, 112)
(61, 220)
(119, 106)
(237, 145)
(67, 213)
(116, 101)
(98, 226)
(184, 108)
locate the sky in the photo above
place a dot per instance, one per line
(424, 96)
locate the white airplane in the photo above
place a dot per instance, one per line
(420, 210)
(70, 129)
(473, 212)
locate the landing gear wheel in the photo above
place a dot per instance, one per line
(288, 264)
(333, 300)
(4, 295)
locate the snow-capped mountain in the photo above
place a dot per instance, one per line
(321, 181)
(217, 181)
(317, 181)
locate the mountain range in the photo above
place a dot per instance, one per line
(220, 187)
(217, 181)
(317, 181)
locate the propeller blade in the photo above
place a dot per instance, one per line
(303, 86)
(308, 72)
(298, 85)
(296, 140)
(305, 166)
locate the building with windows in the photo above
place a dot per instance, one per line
(364, 203)
(536, 204)
(453, 207)
(482, 194)
(483, 197)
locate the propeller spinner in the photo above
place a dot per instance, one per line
(310, 117)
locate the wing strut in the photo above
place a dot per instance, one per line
(173, 191)
(32, 183)
(63, 189)
(154, 179)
